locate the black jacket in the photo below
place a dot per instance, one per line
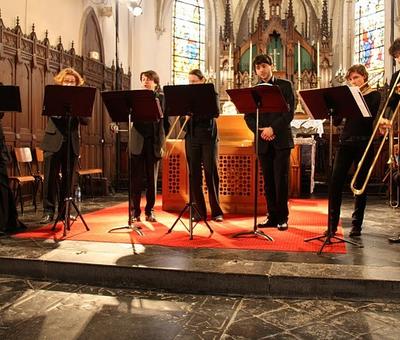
(279, 121)
(56, 133)
(4, 153)
(394, 100)
(359, 128)
(154, 130)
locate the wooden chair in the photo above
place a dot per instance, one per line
(87, 175)
(23, 157)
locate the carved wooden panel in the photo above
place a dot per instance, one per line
(38, 121)
(31, 64)
(24, 119)
(173, 172)
(235, 175)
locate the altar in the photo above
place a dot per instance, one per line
(235, 167)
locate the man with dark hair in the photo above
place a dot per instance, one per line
(274, 144)
(394, 51)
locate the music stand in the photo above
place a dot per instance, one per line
(126, 106)
(68, 101)
(343, 102)
(10, 100)
(261, 99)
(191, 100)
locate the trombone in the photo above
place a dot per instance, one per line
(164, 147)
(394, 165)
(388, 133)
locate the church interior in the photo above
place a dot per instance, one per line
(327, 269)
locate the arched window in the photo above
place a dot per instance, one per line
(188, 46)
(370, 34)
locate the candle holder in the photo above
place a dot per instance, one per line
(340, 75)
(210, 75)
(318, 82)
(299, 107)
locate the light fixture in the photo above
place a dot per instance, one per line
(135, 7)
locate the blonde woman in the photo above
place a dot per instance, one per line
(55, 144)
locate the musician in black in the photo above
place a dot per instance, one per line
(353, 141)
(9, 222)
(202, 153)
(147, 141)
(394, 51)
(55, 145)
(274, 145)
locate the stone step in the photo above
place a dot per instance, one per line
(168, 269)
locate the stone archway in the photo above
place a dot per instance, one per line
(92, 40)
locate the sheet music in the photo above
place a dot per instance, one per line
(264, 84)
(359, 98)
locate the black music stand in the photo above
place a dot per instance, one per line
(191, 100)
(261, 99)
(129, 106)
(10, 100)
(68, 101)
(338, 102)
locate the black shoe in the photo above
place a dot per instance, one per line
(151, 217)
(394, 239)
(71, 218)
(46, 218)
(268, 223)
(283, 226)
(18, 228)
(218, 218)
(135, 219)
(355, 231)
(197, 219)
(15, 231)
(333, 232)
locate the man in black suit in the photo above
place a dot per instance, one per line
(9, 222)
(394, 51)
(55, 145)
(274, 144)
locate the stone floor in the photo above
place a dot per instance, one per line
(262, 294)
(32, 309)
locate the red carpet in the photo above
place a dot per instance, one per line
(308, 218)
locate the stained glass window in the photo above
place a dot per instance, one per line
(369, 34)
(188, 39)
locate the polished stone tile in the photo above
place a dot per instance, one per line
(45, 310)
(321, 330)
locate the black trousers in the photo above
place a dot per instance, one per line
(275, 169)
(346, 155)
(54, 162)
(144, 167)
(8, 211)
(203, 155)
